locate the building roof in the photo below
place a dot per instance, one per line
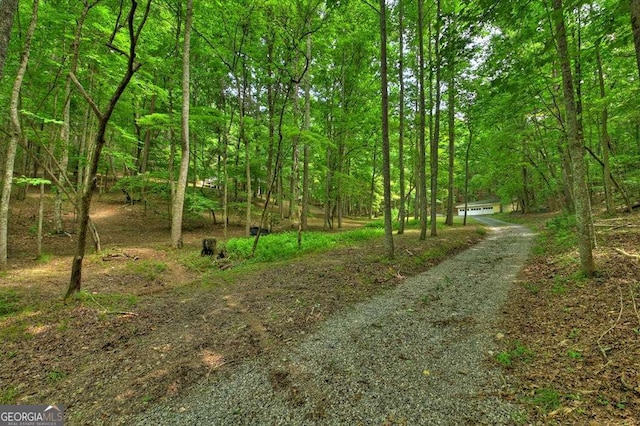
(480, 203)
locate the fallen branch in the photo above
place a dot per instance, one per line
(119, 256)
(602, 349)
(634, 256)
(107, 311)
(633, 300)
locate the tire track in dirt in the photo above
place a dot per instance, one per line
(414, 355)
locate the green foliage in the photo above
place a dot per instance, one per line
(562, 230)
(55, 376)
(574, 354)
(23, 180)
(547, 399)
(195, 202)
(106, 301)
(432, 254)
(8, 395)
(532, 287)
(45, 258)
(281, 246)
(148, 269)
(15, 331)
(9, 302)
(518, 353)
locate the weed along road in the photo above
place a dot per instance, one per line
(415, 355)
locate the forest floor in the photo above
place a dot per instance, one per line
(573, 344)
(152, 322)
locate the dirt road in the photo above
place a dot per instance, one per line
(420, 354)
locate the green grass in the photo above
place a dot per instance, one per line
(518, 353)
(547, 399)
(9, 303)
(15, 332)
(107, 301)
(282, 246)
(148, 269)
(575, 355)
(532, 287)
(558, 236)
(45, 258)
(8, 395)
(55, 376)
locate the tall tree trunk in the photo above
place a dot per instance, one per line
(422, 147)
(452, 135)
(99, 141)
(271, 107)
(225, 183)
(294, 204)
(402, 211)
(7, 11)
(582, 202)
(466, 166)
(181, 187)
(328, 197)
(605, 140)
(386, 162)
(435, 140)
(16, 136)
(144, 156)
(66, 120)
(634, 9)
(306, 187)
(247, 155)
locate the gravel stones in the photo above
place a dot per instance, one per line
(415, 355)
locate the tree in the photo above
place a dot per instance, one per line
(16, 136)
(178, 201)
(422, 147)
(634, 8)
(576, 147)
(435, 138)
(7, 10)
(386, 162)
(132, 66)
(451, 92)
(403, 203)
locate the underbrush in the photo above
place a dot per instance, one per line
(283, 246)
(581, 330)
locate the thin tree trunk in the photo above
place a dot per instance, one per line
(7, 11)
(586, 240)
(634, 9)
(99, 141)
(402, 211)
(144, 156)
(452, 140)
(241, 86)
(40, 220)
(306, 187)
(225, 183)
(466, 167)
(16, 136)
(605, 140)
(435, 140)
(422, 147)
(181, 187)
(386, 162)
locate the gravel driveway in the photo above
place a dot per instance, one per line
(417, 355)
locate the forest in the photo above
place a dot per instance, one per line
(402, 109)
(133, 129)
